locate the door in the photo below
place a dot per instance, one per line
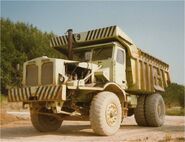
(120, 66)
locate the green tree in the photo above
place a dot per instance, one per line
(174, 95)
(21, 42)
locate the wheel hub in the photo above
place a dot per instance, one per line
(111, 114)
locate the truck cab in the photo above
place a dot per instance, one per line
(112, 59)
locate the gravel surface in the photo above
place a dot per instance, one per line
(73, 131)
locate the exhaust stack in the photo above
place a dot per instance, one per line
(70, 44)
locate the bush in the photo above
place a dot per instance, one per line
(174, 95)
(21, 42)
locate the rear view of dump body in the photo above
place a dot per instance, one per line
(145, 74)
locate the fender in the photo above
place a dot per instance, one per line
(115, 88)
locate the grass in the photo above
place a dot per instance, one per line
(9, 106)
(178, 111)
(3, 98)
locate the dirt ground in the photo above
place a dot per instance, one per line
(21, 130)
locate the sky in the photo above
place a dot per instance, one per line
(156, 27)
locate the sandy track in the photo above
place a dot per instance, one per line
(22, 131)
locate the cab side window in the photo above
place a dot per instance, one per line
(120, 56)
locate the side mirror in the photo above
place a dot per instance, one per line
(18, 67)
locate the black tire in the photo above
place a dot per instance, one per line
(105, 113)
(140, 111)
(130, 111)
(155, 110)
(44, 123)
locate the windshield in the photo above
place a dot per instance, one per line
(102, 53)
(96, 54)
(80, 55)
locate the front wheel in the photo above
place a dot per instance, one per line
(43, 122)
(105, 113)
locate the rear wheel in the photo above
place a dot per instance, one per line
(155, 110)
(105, 113)
(44, 122)
(140, 111)
(130, 111)
(150, 110)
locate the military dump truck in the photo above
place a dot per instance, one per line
(104, 79)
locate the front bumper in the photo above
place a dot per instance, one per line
(39, 93)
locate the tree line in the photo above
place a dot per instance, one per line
(21, 42)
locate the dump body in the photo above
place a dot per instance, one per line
(144, 73)
(147, 74)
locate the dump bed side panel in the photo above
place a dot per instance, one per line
(147, 74)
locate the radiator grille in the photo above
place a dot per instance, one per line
(47, 73)
(32, 75)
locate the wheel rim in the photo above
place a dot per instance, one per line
(111, 114)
